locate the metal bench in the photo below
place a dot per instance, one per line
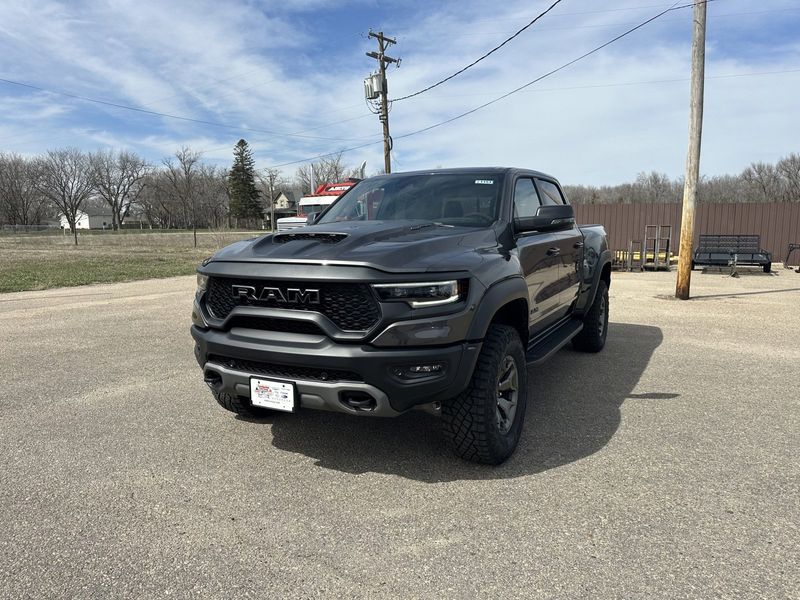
(732, 251)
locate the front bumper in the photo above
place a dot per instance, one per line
(217, 350)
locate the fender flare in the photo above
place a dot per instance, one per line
(605, 259)
(497, 296)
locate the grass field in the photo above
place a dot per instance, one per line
(36, 262)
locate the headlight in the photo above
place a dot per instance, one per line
(197, 313)
(421, 295)
(202, 284)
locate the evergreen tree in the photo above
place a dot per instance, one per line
(244, 203)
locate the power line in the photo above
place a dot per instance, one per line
(430, 87)
(609, 25)
(514, 91)
(540, 90)
(214, 82)
(475, 62)
(554, 71)
(630, 83)
(360, 146)
(168, 116)
(587, 12)
(326, 155)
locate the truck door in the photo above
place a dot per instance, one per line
(570, 248)
(539, 261)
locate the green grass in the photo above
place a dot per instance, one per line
(37, 262)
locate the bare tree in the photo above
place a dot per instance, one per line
(213, 196)
(63, 177)
(20, 201)
(760, 182)
(763, 181)
(181, 179)
(789, 170)
(156, 202)
(656, 188)
(118, 179)
(270, 183)
(326, 170)
(720, 188)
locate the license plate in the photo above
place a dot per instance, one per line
(276, 395)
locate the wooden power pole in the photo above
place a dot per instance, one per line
(383, 60)
(693, 156)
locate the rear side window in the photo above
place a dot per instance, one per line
(550, 192)
(526, 200)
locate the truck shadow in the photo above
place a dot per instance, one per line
(573, 411)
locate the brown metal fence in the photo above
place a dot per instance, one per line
(777, 223)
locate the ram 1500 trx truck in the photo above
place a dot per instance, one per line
(432, 289)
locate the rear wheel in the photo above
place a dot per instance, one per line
(767, 267)
(595, 323)
(240, 406)
(484, 423)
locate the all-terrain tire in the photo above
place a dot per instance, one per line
(595, 324)
(240, 406)
(473, 421)
(767, 267)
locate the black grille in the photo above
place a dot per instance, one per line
(351, 306)
(285, 371)
(270, 324)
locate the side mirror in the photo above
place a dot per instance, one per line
(551, 217)
(311, 218)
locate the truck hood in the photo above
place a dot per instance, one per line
(393, 246)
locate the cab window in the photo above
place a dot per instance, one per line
(550, 193)
(526, 200)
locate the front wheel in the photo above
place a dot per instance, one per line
(595, 324)
(484, 423)
(768, 267)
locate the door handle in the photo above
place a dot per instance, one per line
(577, 245)
(554, 251)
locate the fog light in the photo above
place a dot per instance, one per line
(418, 371)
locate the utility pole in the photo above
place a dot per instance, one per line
(272, 178)
(272, 204)
(379, 87)
(693, 156)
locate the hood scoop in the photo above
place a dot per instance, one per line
(314, 236)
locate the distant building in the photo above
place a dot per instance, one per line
(91, 218)
(285, 205)
(285, 200)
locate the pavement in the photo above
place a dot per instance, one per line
(664, 467)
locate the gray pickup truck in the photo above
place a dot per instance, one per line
(433, 289)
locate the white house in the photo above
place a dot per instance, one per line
(91, 218)
(285, 200)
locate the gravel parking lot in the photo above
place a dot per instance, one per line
(666, 466)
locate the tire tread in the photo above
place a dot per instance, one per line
(465, 417)
(238, 405)
(589, 339)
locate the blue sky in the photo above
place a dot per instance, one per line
(293, 70)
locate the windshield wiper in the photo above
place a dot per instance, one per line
(431, 224)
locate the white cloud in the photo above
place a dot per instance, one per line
(257, 65)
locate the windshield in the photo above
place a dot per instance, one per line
(466, 200)
(306, 209)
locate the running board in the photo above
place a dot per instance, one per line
(553, 342)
